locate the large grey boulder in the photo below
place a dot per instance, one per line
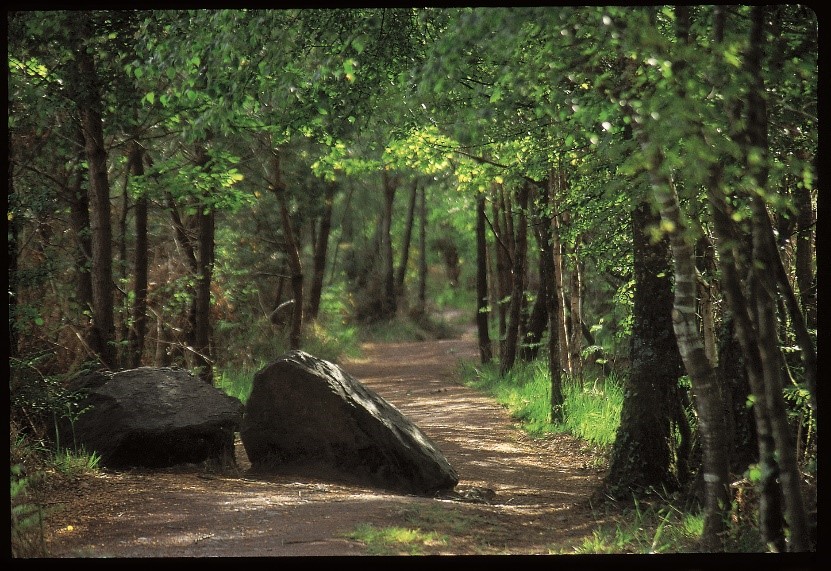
(304, 411)
(153, 417)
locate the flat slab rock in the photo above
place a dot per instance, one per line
(154, 418)
(304, 411)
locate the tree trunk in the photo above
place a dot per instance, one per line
(538, 318)
(729, 246)
(575, 331)
(644, 453)
(503, 262)
(733, 247)
(763, 253)
(138, 331)
(89, 108)
(422, 260)
(405, 242)
(558, 190)
(321, 248)
(705, 383)
(278, 186)
(388, 301)
(78, 200)
(13, 253)
(204, 272)
(552, 309)
(482, 309)
(805, 255)
(518, 284)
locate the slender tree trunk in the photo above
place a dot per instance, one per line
(138, 331)
(764, 252)
(181, 234)
(805, 256)
(292, 254)
(538, 318)
(518, 286)
(13, 252)
(320, 250)
(388, 301)
(422, 246)
(708, 398)
(78, 200)
(729, 246)
(405, 243)
(482, 309)
(711, 420)
(89, 107)
(204, 273)
(552, 309)
(557, 248)
(732, 245)
(502, 256)
(576, 313)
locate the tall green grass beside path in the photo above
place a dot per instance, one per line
(592, 408)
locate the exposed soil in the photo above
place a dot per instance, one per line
(516, 495)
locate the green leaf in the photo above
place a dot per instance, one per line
(359, 43)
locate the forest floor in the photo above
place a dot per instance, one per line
(516, 495)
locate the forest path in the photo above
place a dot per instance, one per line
(516, 495)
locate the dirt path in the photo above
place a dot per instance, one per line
(515, 495)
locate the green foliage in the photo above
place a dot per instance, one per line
(74, 463)
(27, 533)
(592, 411)
(660, 526)
(236, 381)
(395, 540)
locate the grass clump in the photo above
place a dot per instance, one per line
(395, 540)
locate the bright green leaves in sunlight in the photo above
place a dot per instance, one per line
(213, 186)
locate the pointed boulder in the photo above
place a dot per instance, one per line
(304, 411)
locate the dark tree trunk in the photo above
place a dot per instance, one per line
(536, 325)
(138, 331)
(805, 256)
(405, 243)
(763, 253)
(204, 273)
(733, 377)
(321, 248)
(538, 319)
(422, 246)
(88, 99)
(13, 252)
(518, 284)
(482, 309)
(644, 452)
(388, 301)
(78, 201)
(551, 309)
